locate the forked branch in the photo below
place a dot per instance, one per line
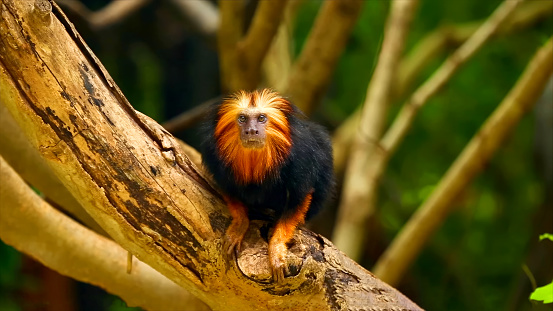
(470, 162)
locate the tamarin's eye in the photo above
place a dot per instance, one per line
(242, 118)
(262, 118)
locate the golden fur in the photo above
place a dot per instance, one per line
(254, 165)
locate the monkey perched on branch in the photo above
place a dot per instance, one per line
(271, 164)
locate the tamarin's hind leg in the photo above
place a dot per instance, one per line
(282, 234)
(238, 227)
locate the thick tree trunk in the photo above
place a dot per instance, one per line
(133, 179)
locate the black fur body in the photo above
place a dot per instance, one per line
(308, 167)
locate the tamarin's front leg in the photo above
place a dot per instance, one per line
(238, 227)
(282, 234)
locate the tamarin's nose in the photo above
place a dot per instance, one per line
(252, 132)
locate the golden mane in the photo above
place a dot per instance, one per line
(254, 165)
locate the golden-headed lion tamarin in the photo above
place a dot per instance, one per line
(270, 163)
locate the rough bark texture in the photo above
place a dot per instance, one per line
(32, 226)
(133, 179)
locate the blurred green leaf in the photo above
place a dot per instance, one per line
(544, 293)
(546, 236)
(119, 305)
(10, 262)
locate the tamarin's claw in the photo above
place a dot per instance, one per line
(235, 234)
(277, 260)
(279, 269)
(231, 243)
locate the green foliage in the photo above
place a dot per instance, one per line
(10, 282)
(119, 305)
(148, 82)
(547, 236)
(544, 293)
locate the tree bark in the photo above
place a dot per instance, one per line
(131, 176)
(32, 226)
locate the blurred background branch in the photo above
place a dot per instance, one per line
(470, 162)
(114, 12)
(357, 201)
(427, 50)
(327, 39)
(366, 168)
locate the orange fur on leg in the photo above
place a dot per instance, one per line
(238, 227)
(282, 234)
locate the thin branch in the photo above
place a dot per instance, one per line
(230, 32)
(351, 228)
(241, 58)
(313, 69)
(356, 203)
(428, 49)
(418, 230)
(113, 13)
(202, 16)
(189, 118)
(447, 37)
(259, 37)
(277, 64)
(37, 229)
(405, 117)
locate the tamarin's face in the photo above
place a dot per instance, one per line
(252, 123)
(252, 134)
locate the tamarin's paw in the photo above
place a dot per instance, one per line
(234, 235)
(277, 260)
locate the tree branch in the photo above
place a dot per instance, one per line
(355, 223)
(358, 195)
(470, 162)
(241, 58)
(450, 36)
(313, 69)
(426, 50)
(132, 177)
(202, 16)
(253, 48)
(230, 32)
(406, 115)
(20, 154)
(189, 118)
(112, 13)
(33, 227)
(278, 61)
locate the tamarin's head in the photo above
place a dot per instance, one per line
(252, 132)
(255, 119)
